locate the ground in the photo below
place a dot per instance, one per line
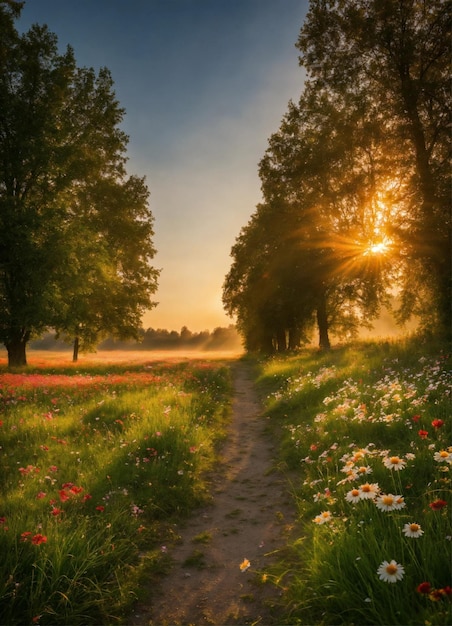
(249, 517)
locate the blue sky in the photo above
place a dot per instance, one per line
(204, 84)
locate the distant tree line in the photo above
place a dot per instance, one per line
(157, 339)
(76, 230)
(356, 182)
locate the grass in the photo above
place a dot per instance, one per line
(376, 414)
(98, 462)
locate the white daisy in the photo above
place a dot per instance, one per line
(385, 502)
(390, 572)
(412, 530)
(394, 462)
(354, 495)
(322, 518)
(443, 456)
(369, 491)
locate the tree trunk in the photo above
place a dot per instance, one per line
(294, 338)
(75, 351)
(281, 340)
(16, 349)
(322, 323)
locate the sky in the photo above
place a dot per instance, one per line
(204, 83)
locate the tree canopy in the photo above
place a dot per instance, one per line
(356, 181)
(75, 229)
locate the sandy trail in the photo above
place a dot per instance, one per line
(249, 517)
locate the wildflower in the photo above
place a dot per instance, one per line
(40, 495)
(435, 595)
(412, 530)
(354, 495)
(369, 491)
(416, 418)
(25, 536)
(437, 423)
(424, 588)
(399, 502)
(423, 434)
(390, 572)
(443, 455)
(364, 469)
(244, 565)
(386, 502)
(56, 511)
(322, 518)
(100, 508)
(394, 462)
(437, 505)
(38, 539)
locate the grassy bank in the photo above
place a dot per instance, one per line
(366, 431)
(96, 462)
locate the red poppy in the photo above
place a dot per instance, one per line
(38, 539)
(437, 505)
(416, 418)
(100, 508)
(424, 588)
(437, 423)
(423, 434)
(55, 511)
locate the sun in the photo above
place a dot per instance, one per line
(381, 247)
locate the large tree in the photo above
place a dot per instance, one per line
(75, 230)
(395, 54)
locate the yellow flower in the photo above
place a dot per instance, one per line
(244, 565)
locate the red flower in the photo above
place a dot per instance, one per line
(437, 505)
(437, 423)
(38, 539)
(55, 511)
(424, 588)
(24, 536)
(435, 595)
(423, 434)
(416, 418)
(63, 495)
(100, 508)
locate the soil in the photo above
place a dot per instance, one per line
(249, 517)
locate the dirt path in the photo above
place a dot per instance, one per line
(249, 517)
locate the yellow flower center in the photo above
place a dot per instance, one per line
(414, 527)
(391, 569)
(388, 500)
(395, 460)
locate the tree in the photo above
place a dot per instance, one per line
(75, 231)
(395, 54)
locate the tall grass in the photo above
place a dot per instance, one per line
(96, 462)
(366, 431)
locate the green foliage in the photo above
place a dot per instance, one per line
(76, 231)
(356, 181)
(340, 419)
(98, 465)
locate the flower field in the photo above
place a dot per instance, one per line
(366, 437)
(97, 461)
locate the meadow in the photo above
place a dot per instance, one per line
(365, 434)
(98, 459)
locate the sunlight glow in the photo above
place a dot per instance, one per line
(382, 247)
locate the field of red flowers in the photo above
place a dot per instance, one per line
(97, 459)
